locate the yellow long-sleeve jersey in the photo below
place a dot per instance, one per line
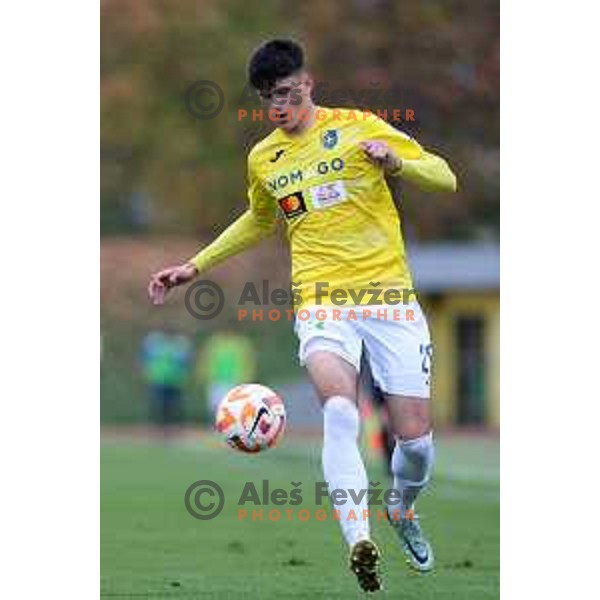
(342, 225)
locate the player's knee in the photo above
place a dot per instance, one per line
(413, 429)
(331, 376)
(327, 390)
(410, 417)
(414, 423)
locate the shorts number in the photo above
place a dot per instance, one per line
(427, 353)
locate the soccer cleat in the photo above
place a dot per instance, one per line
(415, 545)
(364, 563)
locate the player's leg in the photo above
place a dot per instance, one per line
(400, 353)
(411, 465)
(335, 381)
(413, 455)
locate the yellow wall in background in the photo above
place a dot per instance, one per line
(442, 313)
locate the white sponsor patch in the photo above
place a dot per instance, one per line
(328, 194)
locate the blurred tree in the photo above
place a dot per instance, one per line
(165, 171)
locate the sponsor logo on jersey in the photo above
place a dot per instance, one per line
(281, 181)
(328, 194)
(330, 138)
(293, 205)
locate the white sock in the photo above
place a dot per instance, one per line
(343, 466)
(412, 463)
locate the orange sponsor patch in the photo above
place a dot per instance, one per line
(293, 205)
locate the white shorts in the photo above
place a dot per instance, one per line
(395, 339)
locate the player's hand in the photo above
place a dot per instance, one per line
(382, 155)
(163, 281)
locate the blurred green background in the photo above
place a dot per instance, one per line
(170, 182)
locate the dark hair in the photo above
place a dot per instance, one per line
(274, 60)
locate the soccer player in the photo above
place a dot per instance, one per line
(324, 170)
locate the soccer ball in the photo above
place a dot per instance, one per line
(251, 418)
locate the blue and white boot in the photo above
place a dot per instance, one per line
(415, 545)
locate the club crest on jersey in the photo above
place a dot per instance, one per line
(293, 205)
(330, 139)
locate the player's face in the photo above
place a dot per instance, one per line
(289, 100)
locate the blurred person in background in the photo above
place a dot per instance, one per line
(324, 170)
(165, 360)
(227, 359)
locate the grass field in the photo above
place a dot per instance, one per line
(152, 548)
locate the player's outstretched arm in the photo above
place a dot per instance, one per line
(255, 224)
(246, 231)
